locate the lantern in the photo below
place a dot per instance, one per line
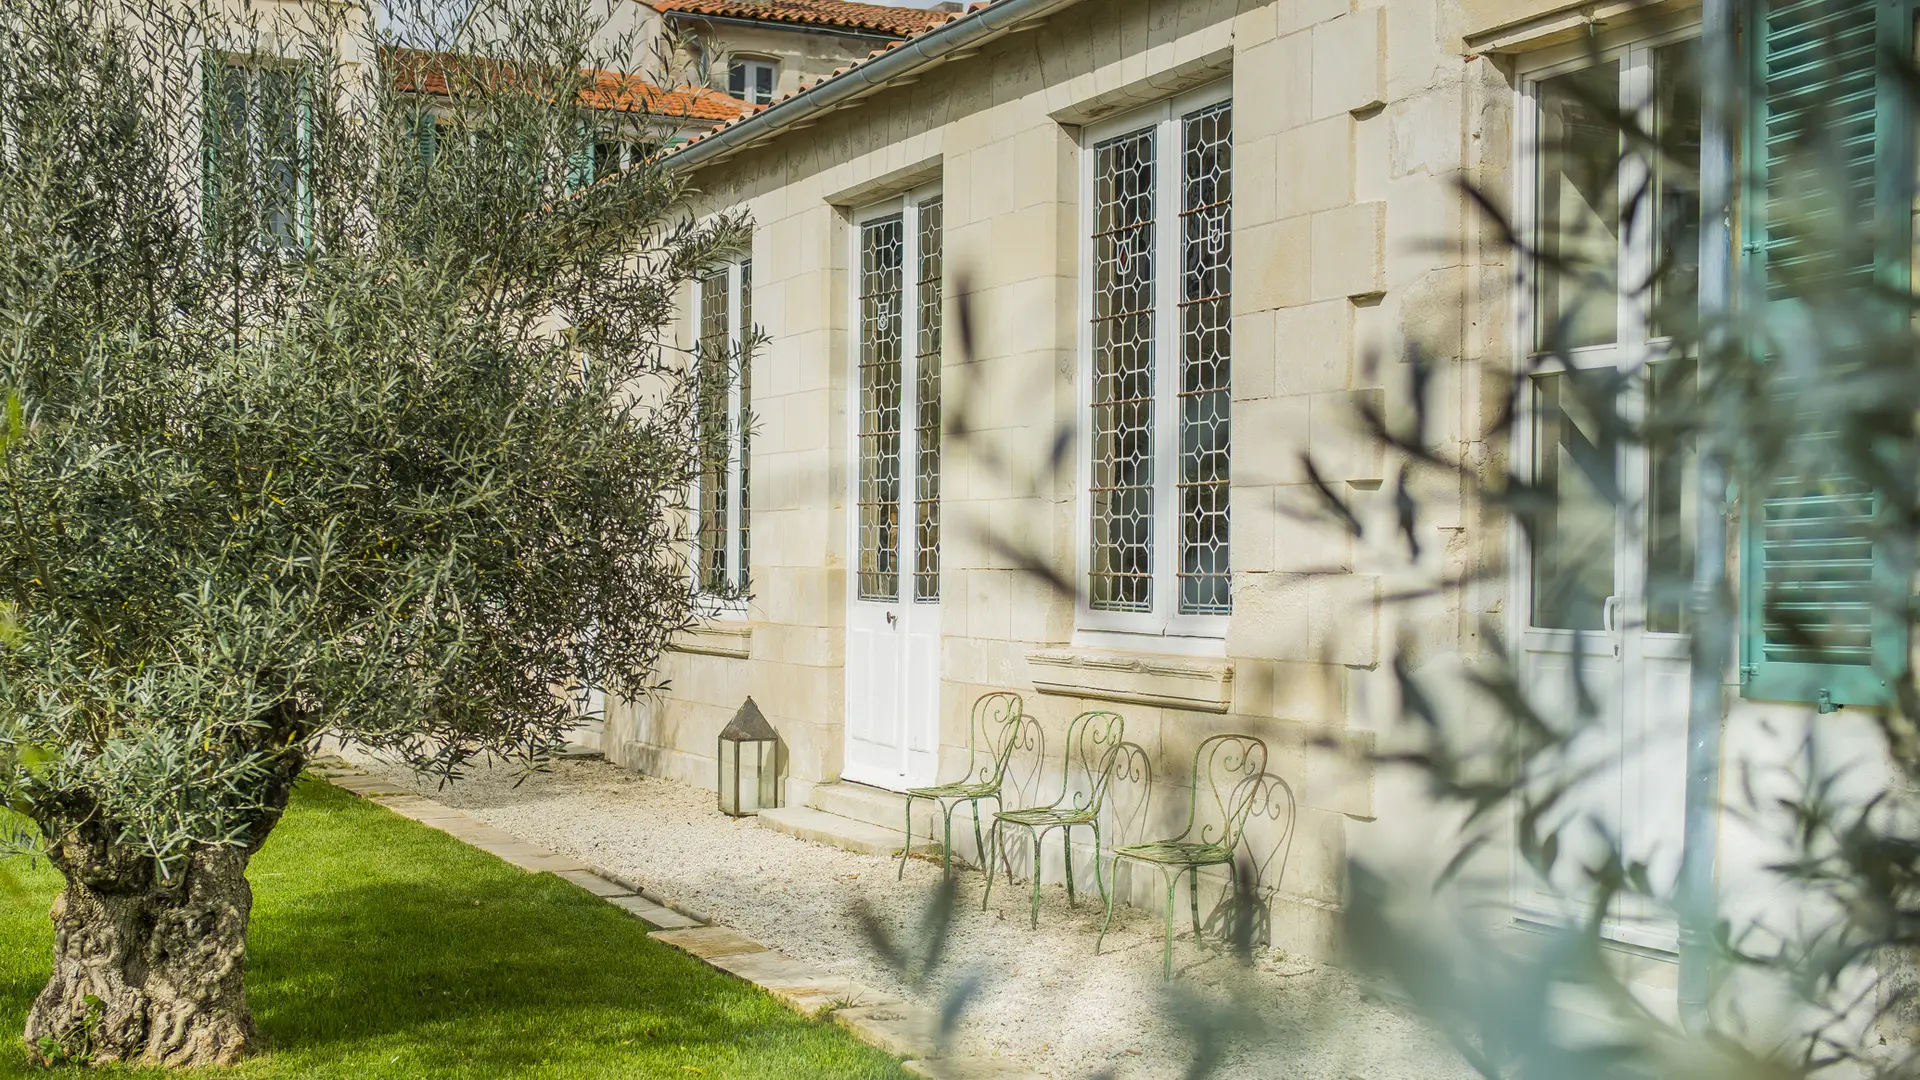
(749, 763)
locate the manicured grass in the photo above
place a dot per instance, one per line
(382, 948)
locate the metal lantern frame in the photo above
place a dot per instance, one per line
(748, 733)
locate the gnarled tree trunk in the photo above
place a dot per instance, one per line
(150, 968)
(146, 970)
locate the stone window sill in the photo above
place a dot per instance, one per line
(1134, 678)
(716, 639)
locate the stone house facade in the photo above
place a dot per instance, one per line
(1190, 242)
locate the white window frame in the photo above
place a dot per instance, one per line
(1633, 346)
(251, 66)
(753, 64)
(732, 604)
(907, 205)
(1164, 625)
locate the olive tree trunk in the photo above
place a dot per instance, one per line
(149, 968)
(146, 970)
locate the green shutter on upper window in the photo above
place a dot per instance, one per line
(580, 161)
(1822, 604)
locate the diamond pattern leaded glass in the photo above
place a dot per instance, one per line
(1121, 564)
(1206, 293)
(882, 253)
(712, 377)
(744, 432)
(926, 471)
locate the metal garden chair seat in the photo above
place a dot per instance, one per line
(1227, 775)
(1093, 743)
(993, 731)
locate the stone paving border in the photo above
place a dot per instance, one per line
(881, 1020)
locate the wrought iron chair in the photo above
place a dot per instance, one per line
(996, 727)
(1093, 744)
(1227, 772)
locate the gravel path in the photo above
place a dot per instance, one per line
(1044, 998)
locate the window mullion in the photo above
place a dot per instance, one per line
(1166, 372)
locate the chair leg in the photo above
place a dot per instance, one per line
(979, 850)
(1034, 846)
(946, 842)
(901, 874)
(1166, 937)
(1067, 833)
(1193, 899)
(1097, 879)
(1108, 921)
(993, 845)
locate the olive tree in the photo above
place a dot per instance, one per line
(337, 403)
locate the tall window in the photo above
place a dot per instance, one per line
(1160, 191)
(255, 138)
(752, 81)
(900, 317)
(1616, 232)
(725, 306)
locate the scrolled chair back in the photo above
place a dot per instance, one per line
(1224, 768)
(999, 725)
(1092, 738)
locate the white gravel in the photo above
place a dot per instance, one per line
(1045, 999)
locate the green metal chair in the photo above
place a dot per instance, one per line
(1227, 774)
(998, 725)
(1093, 744)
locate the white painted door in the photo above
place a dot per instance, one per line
(1606, 565)
(893, 603)
(1602, 650)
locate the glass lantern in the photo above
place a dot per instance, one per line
(749, 763)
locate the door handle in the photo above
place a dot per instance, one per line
(892, 618)
(1607, 608)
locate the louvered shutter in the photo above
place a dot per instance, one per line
(580, 161)
(1819, 621)
(426, 137)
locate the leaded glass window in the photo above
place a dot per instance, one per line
(1159, 383)
(1206, 327)
(725, 321)
(926, 533)
(882, 281)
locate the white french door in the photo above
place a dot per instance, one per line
(893, 603)
(1603, 578)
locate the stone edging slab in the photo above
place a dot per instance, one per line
(878, 1019)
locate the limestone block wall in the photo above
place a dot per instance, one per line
(1353, 124)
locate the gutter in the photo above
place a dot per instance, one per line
(876, 36)
(957, 37)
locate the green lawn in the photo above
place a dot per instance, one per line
(382, 948)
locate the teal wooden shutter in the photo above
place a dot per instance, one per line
(426, 138)
(1822, 605)
(580, 161)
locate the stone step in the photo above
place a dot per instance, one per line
(875, 806)
(833, 830)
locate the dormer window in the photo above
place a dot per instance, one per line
(752, 81)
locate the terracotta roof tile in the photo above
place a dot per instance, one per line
(838, 14)
(943, 18)
(434, 73)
